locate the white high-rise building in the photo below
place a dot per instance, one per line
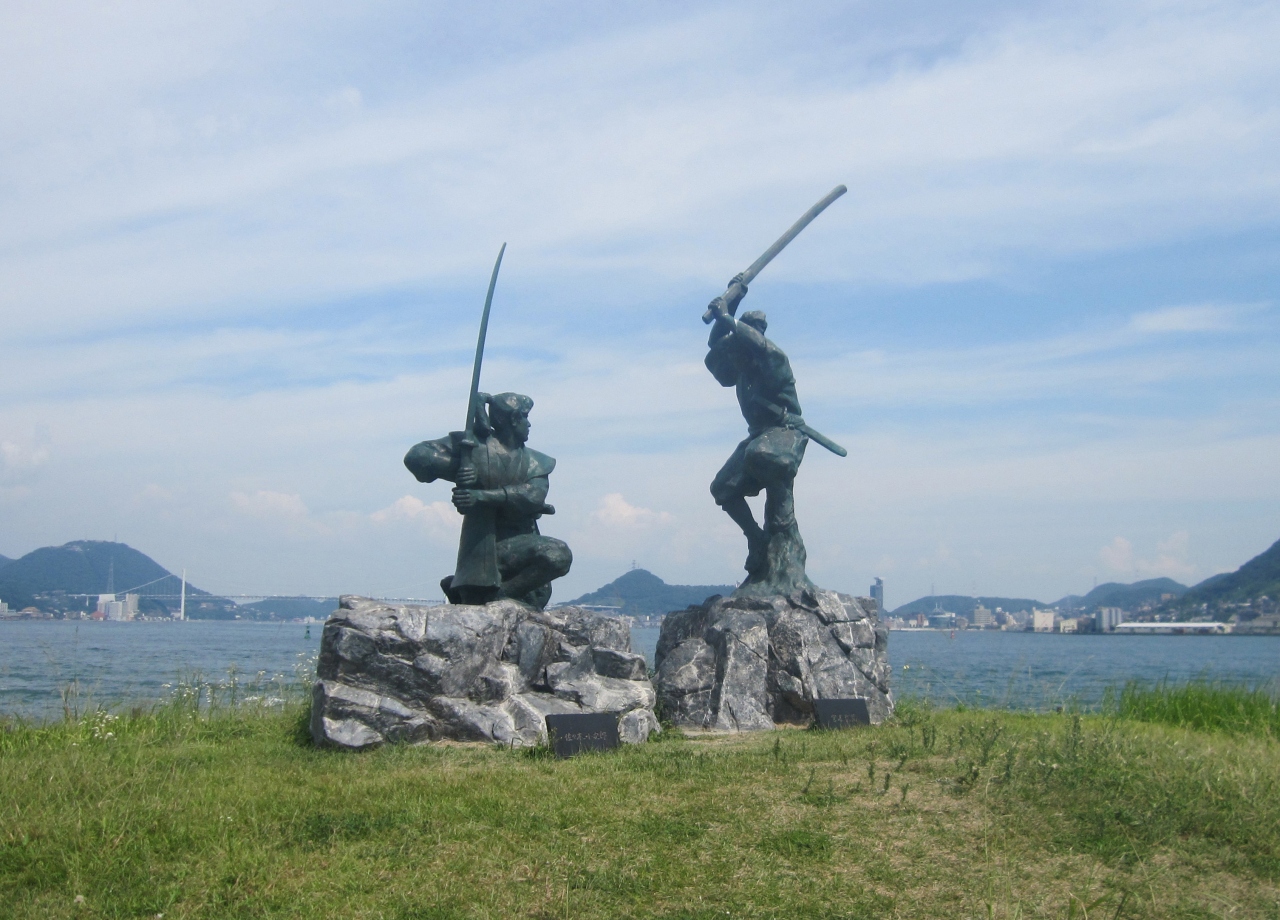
(120, 611)
(1108, 618)
(1042, 620)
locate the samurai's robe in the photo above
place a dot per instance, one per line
(514, 482)
(771, 453)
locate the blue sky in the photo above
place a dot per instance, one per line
(243, 251)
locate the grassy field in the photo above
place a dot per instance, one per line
(980, 814)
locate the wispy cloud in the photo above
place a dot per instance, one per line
(662, 147)
(1197, 318)
(615, 511)
(267, 504)
(1170, 559)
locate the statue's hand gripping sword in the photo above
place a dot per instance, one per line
(738, 286)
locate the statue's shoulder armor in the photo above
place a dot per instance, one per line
(540, 464)
(432, 460)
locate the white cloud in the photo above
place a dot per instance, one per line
(1170, 560)
(346, 100)
(1202, 318)
(1118, 555)
(19, 458)
(615, 511)
(152, 493)
(438, 516)
(663, 148)
(196, 182)
(268, 504)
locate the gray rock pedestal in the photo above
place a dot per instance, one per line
(751, 663)
(472, 673)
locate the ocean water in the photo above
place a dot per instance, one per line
(1042, 671)
(118, 664)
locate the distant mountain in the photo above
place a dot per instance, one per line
(4, 560)
(84, 566)
(1258, 577)
(1114, 594)
(964, 606)
(288, 608)
(640, 592)
(1211, 580)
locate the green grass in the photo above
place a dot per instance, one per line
(1203, 705)
(188, 812)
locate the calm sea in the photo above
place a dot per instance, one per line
(122, 663)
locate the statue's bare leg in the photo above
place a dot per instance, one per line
(779, 508)
(757, 542)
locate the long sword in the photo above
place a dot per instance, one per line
(484, 330)
(477, 546)
(731, 302)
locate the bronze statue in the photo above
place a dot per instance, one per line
(500, 489)
(500, 486)
(740, 355)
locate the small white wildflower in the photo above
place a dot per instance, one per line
(79, 899)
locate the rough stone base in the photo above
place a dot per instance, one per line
(750, 663)
(471, 673)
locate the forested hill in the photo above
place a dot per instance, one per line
(641, 593)
(1114, 594)
(1258, 577)
(83, 567)
(80, 567)
(289, 608)
(964, 606)
(4, 560)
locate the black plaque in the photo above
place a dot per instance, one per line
(574, 732)
(841, 713)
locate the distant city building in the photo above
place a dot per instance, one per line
(1042, 620)
(877, 593)
(1107, 619)
(121, 611)
(1266, 624)
(1017, 619)
(1176, 629)
(982, 617)
(1068, 625)
(4, 609)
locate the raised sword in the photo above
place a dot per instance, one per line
(737, 288)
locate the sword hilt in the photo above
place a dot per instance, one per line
(746, 277)
(730, 298)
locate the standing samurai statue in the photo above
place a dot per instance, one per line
(500, 486)
(740, 355)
